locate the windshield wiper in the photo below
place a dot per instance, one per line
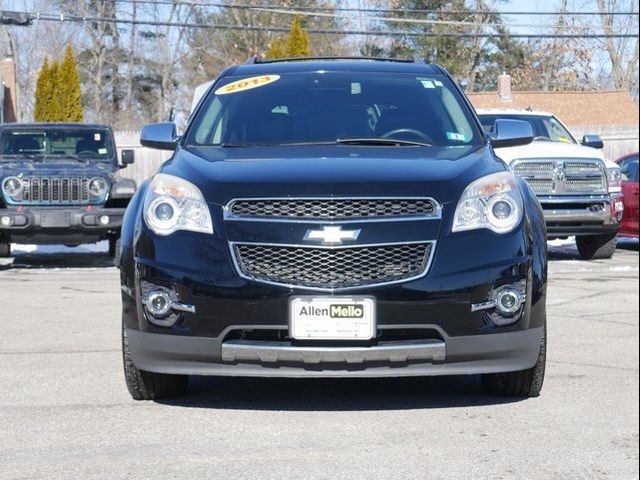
(66, 156)
(26, 156)
(382, 141)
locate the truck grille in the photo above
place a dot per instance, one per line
(574, 177)
(332, 268)
(333, 209)
(55, 191)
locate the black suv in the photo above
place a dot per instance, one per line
(334, 218)
(59, 185)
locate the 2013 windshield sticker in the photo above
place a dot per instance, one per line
(458, 137)
(247, 84)
(430, 82)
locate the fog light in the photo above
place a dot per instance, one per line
(508, 301)
(104, 220)
(158, 303)
(6, 221)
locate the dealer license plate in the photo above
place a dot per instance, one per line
(54, 220)
(332, 318)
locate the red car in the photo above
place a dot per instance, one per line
(629, 167)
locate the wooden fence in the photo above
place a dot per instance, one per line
(618, 140)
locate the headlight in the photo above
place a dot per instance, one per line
(98, 186)
(492, 202)
(614, 177)
(174, 204)
(12, 187)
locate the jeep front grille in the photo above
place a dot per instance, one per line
(331, 268)
(55, 191)
(332, 209)
(562, 177)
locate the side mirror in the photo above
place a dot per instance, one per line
(127, 157)
(593, 141)
(161, 136)
(511, 133)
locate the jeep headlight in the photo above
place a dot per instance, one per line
(493, 202)
(12, 187)
(98, 186)
(174, 204)
(614, 178)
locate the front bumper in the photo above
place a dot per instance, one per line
(465, 355)
(582, 215)
(59, 225)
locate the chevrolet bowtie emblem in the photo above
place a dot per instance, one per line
(332, 235)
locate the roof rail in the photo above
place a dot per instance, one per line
(309, 59)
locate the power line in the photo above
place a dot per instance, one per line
(50, 17)
(366, 10)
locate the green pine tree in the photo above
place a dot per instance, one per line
(276, 49)
(70, 98)
(298, 41)
(43, 93)
(53, 113)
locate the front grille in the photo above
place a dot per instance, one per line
(55, 191)
(332, 268)
(333, 209)
(574, 177)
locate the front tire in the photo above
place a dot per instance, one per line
(149, 385)
(523, 383)
(5, 249)
(594, 247)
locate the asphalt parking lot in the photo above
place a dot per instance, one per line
(65, 412)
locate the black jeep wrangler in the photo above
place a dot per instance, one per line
(59, 186)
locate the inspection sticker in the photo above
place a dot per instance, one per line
(247, 84)
(456, 136)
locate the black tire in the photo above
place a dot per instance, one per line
(594, 247)
(523, 383)
(114, 250)
(148, 385)
(5, 249)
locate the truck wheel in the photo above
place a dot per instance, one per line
(593, 247)
(114, 250)
(523, 383)
(148, 385)
(5, 249)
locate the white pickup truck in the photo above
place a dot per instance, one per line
(579, 189)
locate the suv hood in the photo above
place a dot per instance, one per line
(551, 150)
(54, 168)
(226, 173)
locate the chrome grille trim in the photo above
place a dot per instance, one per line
(430, 247)
(55, 191)
(563, 176)
(327, 210)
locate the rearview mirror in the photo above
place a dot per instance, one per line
(127, 157)
(593, 141)
(161, 136)
(511, 133)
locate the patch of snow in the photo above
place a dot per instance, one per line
(100, 247)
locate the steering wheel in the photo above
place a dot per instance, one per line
(87, 154)
(541, 138)
(412, 131)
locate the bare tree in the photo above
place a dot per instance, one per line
(623, 52)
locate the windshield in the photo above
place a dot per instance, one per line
(546, 128)
(379, 109)
(54, 143)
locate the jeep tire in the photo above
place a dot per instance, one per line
(523, 383)
(5, 249)
(148, 385)
(594, 247)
